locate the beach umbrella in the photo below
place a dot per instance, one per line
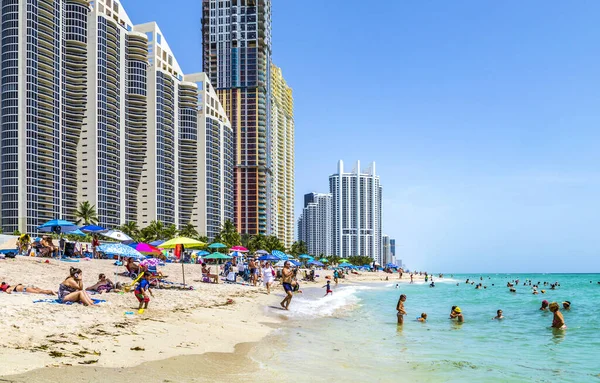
(217, 246)
(279, 264)
(294, 262)
(187, 242)
(218, 257)
(268, 257)
(345, 265)
(77, 232)
(279, 254)
(391, 266)
(324, 260)
(120, 250)
(304, 256)
(315, 263)
(92, 229)
(145, 248)
(202, 253)
(57, 226)
(116, 234)
(261, 252)
(157, 243)
(343, 260)
(241, 249)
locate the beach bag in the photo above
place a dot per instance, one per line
(272, 272)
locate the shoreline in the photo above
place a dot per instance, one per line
(43, 340)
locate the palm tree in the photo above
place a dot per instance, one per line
(132, 230)
(169, 232)
(273, 243)
(203, 238)
(86, 213)
(188, 230)
(229, 234)
(257, 242)
(298, 247)
(152, 232)
(245, 240)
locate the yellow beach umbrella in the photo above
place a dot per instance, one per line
(187, 242)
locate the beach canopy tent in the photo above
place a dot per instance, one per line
(116, 234)
(92, 229)
(345, 264)
(324, 260)
(241, 249)
(157, 243)
(268, 257)
(57, 226)
(261, 252)
(187, 242)
(120, 250)
(217, 245)
(304, 256)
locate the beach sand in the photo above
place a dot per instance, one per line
(195, 330)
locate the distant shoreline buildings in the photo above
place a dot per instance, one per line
(346, 221)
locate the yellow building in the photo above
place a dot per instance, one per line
(282, 157)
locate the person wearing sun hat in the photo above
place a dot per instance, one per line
(457, 313)
(566, 305)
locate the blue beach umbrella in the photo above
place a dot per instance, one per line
(304, 256)
(261, 252)
(315, 263)
(92, 229)
(77, 232)
(202, 253)
(280, 254)
(294, 262)
(268, 257)
(57, 226)
(120, 250)
(346, 265)
(391, 266)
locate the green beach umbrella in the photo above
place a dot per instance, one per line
(217, 246)
(218, 256)
(324, 260)
(344, 260)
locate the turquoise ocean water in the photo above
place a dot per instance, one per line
(353, 334)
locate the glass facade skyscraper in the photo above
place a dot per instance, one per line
(236, 45)
(42, 103)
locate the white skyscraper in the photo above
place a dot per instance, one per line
(315, 224)
(356, 200)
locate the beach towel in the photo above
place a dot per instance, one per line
(59, 302)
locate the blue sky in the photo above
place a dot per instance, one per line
(483, 118)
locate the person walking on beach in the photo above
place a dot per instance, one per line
(558, 321)
(328, 285)
(411, 278)
(252, 267)
(400, 309)
(140, 292)
(268, 276)
(286, 282)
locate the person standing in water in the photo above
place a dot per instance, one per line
(558, 321)
(498, 315)
(328, 285)
(286, 282)
(411, 278)
(400, 309)
(457, 313)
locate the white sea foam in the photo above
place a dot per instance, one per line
(342, 298)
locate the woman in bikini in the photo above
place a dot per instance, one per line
(71, 290)
(103, 285)
(20, 288)
(206, 272)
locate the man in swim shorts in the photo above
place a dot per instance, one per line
(286, 282)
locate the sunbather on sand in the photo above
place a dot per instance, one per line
(206, 272)
(103, 285)
(20, 288)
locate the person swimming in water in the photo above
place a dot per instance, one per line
(544, 305)
(558, 321)
(566, 305)
(422, 318)
(498, 315)
(400, 309)
(457, 314)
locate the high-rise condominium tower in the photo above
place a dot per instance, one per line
(215, 161)
(315, 226)
(113, 147)
(236, 45)
(356, 212)
(282, 154)
(43, 82)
